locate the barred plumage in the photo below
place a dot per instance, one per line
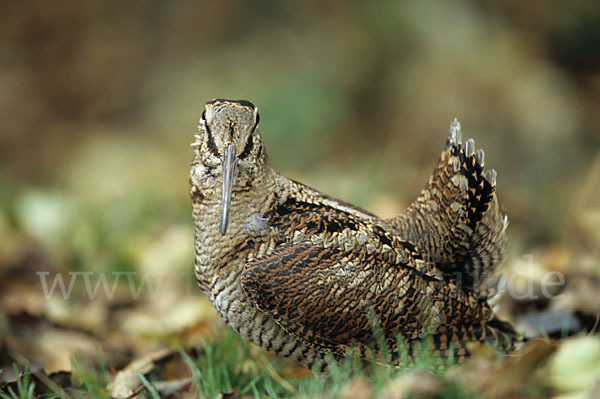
(303, 274)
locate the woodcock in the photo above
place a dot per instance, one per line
(303, 274)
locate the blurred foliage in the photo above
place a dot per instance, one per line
(100, 100)
(107, 94)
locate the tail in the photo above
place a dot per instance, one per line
(457, 342)
(456, 220)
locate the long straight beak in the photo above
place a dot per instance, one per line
(228, 164)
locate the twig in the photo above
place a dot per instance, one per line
(22, 360)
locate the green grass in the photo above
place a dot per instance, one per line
(25, 386)
(229, 364)
(149, 387)
(92, 380)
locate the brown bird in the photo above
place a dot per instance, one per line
(303, 274)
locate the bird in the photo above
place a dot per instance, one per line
(303, 274)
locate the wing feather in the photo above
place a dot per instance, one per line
(335, 299)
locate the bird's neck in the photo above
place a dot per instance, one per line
(252, 195)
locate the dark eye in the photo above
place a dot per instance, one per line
(247, 148)
(203, 115)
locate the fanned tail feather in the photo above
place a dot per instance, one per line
(456, 220)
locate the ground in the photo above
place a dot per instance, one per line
(100, 103)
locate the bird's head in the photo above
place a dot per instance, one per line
(229, 138)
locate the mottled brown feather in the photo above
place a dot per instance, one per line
(456, 220)
(302, 274)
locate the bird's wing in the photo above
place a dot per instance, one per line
(328, 222)
(334, 298)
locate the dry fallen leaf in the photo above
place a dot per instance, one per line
(59, 346)
(126, 382)
(474, 374)
(414, 384)
(357, 388)
(515, 372)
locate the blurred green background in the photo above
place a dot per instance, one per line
(99, 102)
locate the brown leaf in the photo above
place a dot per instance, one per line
(415, 384)
(126, 382)
(474, 374)
(515, 372)
(358, 388)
